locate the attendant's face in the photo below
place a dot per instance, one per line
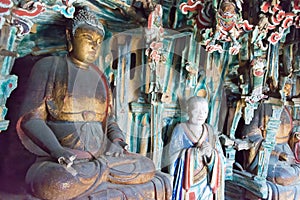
(198, 113)
(86, 45)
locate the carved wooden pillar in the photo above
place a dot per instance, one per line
(122, 79)
(7, 82)
(139, 133)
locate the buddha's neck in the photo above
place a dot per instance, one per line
(78, 63)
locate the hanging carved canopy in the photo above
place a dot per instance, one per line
(41, 24)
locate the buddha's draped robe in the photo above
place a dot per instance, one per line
(74, 106)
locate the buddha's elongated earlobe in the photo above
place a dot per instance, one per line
(70, 46)
(69, 42)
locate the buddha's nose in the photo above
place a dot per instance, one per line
(95, 45)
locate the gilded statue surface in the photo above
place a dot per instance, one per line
(69, 124)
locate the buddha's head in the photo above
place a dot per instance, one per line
(84, 35)
(197, 110)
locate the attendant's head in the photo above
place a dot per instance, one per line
(85, 34)
(197, 110)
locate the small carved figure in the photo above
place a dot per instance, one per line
(155, 24)
(226, 26)
(69, 124)
(280, 167)
(195, 156)
(229, 27)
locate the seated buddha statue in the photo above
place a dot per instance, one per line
(68, 123)
(283, 168)
(283, 171)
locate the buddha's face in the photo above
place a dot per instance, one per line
(198, 113)
(86, 45)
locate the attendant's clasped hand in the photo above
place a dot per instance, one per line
(205, 149)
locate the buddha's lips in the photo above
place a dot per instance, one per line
(92, 53)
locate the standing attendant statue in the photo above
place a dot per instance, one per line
(68, 123)
(196, 158)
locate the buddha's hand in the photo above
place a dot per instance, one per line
(64, 157)
(116, 149)
(287, 158)
(206, 149)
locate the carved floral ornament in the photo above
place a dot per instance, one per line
(278, 21)
(155, 34)
(230, 26)
(21, 15)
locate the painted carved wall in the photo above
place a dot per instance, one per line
(243, 56)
